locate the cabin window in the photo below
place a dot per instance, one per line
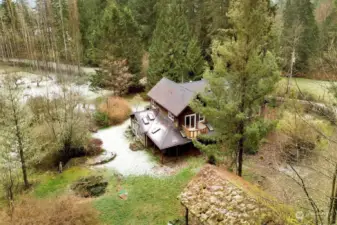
(171, 116)
(201, 118)
(190, 121)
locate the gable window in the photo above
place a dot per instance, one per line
(201, 118)
(171, 116)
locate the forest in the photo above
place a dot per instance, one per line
(73, 71)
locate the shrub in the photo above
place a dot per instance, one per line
(302, 138)
(92, 186)
(211, 160)
(37, 107)
(60, 211)
(112, 112)
(94, 147)
(101, 119)
(305, 95)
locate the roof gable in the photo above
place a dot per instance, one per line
(173, 96)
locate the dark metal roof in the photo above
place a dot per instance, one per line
(160, 130)
(173, 96)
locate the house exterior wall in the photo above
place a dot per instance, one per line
(163, 111)
(137, 132)
(188, 111)
(180, 120)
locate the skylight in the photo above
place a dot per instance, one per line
(155, 130)
(145, 121)
(151, 116)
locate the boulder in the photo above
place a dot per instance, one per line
(102, 159)
(91, 186)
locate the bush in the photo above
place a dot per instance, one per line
(101, 119)
(212, 160)
(94, 147)
(305, 95)
(302, 138)
(92, 186)
(112, 112)
(37, 107)
(60, 211)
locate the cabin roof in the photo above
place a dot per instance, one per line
(173, 96)
(160, 130)
(216, 196)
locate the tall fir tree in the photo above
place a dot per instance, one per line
(90, 16)
(328, 32)
(245, 71)
(120, 35)
(145, 13)
(174, 52)
(300, 13)
(206, 19)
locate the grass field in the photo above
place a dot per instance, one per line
(150, 200)
(53, 184)
(317, 88)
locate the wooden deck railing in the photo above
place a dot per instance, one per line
(192, 133)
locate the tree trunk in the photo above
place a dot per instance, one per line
(22, 158)
(333, 200)
(291, 70)
(240, 152)
(241, 130)
(19, 140)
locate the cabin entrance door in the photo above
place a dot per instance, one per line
(191, 121)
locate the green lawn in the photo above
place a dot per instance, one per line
(150, 200)
(317, 88)
(51, 184)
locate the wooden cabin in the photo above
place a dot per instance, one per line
(169, 122)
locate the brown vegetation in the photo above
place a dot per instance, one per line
(94, 147)
(117, 110)
(114, 74)
(61, 211)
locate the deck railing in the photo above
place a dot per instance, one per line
(192, 133)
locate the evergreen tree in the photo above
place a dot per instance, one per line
(206, 19)
(329, 30)
(120, 36)
(300, 13)
(245, 71)
(90, 15)
(174, 52)
(145, 13)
